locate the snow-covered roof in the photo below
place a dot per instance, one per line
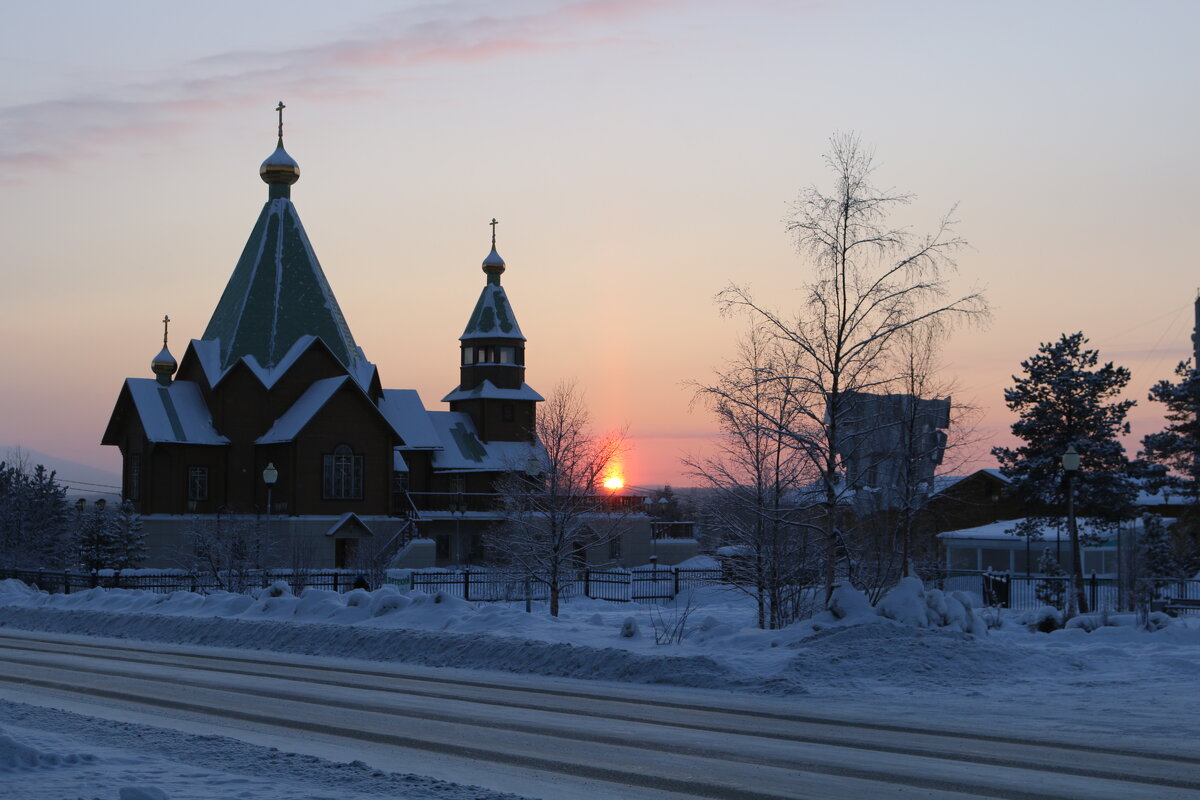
(490, 391)
(346, 519)
(209, 355)
(277, 294)
(174, 413)
(943, 482)
(405, 412)
(1004, 531)
(463, 451)
(292, 421)
(493, 317)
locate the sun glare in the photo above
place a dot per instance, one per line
(614, 482)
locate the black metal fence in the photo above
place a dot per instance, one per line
(664, 583)
(66, 581)
(1024, 592)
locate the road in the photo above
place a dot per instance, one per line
(557, 738)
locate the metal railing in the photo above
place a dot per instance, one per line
(165, 582)
(1023, 592)
(664, 583)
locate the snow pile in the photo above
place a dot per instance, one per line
(895, 654)
(16, 756)
(910, 603)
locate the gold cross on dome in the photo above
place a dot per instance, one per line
(280, 109)
(493, 223)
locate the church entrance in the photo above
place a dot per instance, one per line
(344, 553)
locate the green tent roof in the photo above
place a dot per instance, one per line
(277, 294)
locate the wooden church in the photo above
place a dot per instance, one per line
(276, 415)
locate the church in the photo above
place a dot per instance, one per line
(276, 416)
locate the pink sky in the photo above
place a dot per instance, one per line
(640, 156)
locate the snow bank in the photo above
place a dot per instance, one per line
(18, 756)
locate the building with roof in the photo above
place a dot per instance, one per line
(278, 388)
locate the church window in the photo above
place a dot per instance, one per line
(198, 484)
(133, 490)
(508, 355)
(468, 356)
(342, 478)
(506, 412)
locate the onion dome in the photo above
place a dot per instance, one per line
(493, 264)
(164, 364)
(279, 167)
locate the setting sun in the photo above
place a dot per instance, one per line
(614, 482)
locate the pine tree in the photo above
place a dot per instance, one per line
(129, 540)
(95, 538)
(1050, 593)
(1175, 450)
(1066, 399)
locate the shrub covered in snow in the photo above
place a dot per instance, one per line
(846, 602)
(629, 628)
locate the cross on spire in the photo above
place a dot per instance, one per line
(166, 321)
(493, 223)
(280, 109)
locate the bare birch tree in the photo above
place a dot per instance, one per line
(870, 283)
(554, 508)
(755, 476)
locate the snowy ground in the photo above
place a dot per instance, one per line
(921, 665)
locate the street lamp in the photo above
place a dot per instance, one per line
(270, 475)
(1070, 464)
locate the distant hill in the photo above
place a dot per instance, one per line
(81, 480)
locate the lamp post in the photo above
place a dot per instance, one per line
(1070, 463)
(269, 475)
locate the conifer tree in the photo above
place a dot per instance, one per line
(129, 539)
(1175, 450)
(1049, 592)
(1067, 399)
(95, 538)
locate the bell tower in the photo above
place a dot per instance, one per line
(492, 386)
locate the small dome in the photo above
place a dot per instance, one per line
(279, 167)
(164, 364)
(493, 264)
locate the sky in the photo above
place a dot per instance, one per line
(640, 156)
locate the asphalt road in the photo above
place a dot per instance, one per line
(557, 738)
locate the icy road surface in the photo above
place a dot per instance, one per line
(543, 737)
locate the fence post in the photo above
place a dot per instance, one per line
(116, 579)
(466, 582)
(528, 596)
(1095, 593)
(66, 581)
(587, 583)
(676, 570)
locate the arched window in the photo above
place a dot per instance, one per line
(342, 474)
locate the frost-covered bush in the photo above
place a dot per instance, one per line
(629, 628)
(905, 603)
(279, 589)
(1046, 619)
(848, 602)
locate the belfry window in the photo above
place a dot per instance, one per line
(468, 356)
(342, 475)
(508, 355)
